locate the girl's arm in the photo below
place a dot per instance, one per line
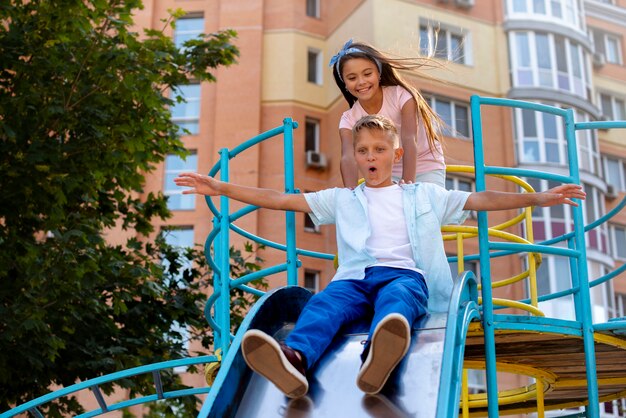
(408, 141)
(265, 198)
(491, 200)
(349, 170)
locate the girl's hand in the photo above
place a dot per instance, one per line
(561, 195)
(199, 184)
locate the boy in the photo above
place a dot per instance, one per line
(392, 262)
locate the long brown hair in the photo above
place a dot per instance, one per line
(390, 76)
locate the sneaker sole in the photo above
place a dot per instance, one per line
(263, 354)
(389, 345)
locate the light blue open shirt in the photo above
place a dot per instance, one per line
(426, 208)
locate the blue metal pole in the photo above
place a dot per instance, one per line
(223, 260)
(583, 314)
(485, 268)
(290, 217)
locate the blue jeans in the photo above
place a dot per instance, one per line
(383, 291)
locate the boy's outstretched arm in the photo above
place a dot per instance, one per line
(491, 200)
(265, 198)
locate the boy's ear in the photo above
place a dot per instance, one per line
(398, 153)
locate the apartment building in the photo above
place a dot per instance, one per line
(566, 53)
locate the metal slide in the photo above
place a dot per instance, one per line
(411, 391)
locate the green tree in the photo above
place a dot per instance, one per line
(83, 116)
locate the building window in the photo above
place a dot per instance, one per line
(619, 241)
(175, 165)
(476, 381)
(568, 12)
(452, 44)
(462, 184)
(612, 107)
(467, 266)
(181, 238)
(541, 139)
(553, 275)
(313, 8)
(312, 135)
(588, 149)
(314, 66)
(607, 44)
(547, 60)
(615, 173)
(616, 408)
(309, 225)
(454, 114)
(458, 183)
(593, 206)
(312, 280)
(619, 309)
(186, 114)
(187, 28)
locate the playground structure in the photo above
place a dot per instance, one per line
(569, 363)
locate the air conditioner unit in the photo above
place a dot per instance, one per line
(466, 4)
(598, 60)
(316, 159)
(611, 193)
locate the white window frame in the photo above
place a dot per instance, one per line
(617, 105)
(187, 34)
(571, 12)
(588, 146)
(316, 277)
(617, 50)
(620, 182)
(447, 32)
(620, 185)
(614, 244)
(192, 102)
(454, 104)
(170, 189)
(317, 65)
(578, 85)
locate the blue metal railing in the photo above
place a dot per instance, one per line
(217, 251)
(576, 248)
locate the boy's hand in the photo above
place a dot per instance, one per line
(561, 195)
(199, 184)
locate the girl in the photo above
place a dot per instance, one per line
(371, 84)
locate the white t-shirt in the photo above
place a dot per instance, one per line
(389, 241)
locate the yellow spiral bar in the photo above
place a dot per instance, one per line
(517, 305)
(510, 396)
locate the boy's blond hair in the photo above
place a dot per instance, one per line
(377, 123)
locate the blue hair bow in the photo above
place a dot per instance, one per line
(347, 49)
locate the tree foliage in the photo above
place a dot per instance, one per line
(83, 116)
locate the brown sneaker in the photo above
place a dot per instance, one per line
(276, 362)
(390, 342)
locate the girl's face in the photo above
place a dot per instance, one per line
(361, 77)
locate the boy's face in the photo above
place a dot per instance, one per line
(375, 155)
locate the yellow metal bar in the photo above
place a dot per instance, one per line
(540, 401)
(465, 395)
(460, 262)
(516, 305)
